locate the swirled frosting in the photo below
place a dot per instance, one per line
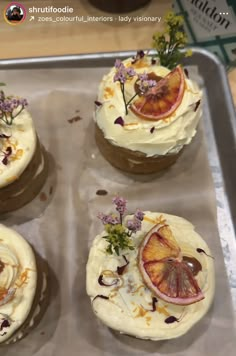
(126, 305)
(22, 141)
(149, 137)
(18, 281)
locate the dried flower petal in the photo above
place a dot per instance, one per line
(120, 204)
(171, 319)
(105, 284)
(134, 225)
(139, 214)
(98, 103)
(144, 83)
(5, 161)
(4, 323)
(108, 219)
(139, 55)
(197, 105)
(123, 73)
(119, 121)
(8, 106)
(4, 136)
(152, 129)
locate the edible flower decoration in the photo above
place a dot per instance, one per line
(169, 42)
(119, 234)
(10, 107)
(125, 73)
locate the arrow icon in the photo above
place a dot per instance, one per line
(32, 18)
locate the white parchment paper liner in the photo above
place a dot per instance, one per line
(67, 225)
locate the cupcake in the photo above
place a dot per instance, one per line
(149, 275)
(23, 161)
(23, 287)
(147, 109)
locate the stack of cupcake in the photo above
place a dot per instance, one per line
(23, 163)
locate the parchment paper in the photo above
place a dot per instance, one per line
(62, 226)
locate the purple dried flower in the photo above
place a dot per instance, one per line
(143, 76)
(118, 63)
(108, 219)
(119, 121)
(139, 214)
(8, 105)
(120, 204)
(23, 102)
(122, 73)
(145, 83)
(130, 71)
(134, 225)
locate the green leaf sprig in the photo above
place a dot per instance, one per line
(119, 235)
(169, 42)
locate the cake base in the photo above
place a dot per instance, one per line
(28, 185)
(132, 161)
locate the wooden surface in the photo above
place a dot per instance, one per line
(37, 38)
(49, 38)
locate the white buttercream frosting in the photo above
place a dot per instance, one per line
(129, 306)
(19, 275)
(168, 135)
(22, 141)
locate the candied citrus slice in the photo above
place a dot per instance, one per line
(159, 243)
(162, 100)
(163, 269)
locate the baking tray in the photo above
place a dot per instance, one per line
(220, 132)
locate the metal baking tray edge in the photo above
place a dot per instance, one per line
(221, 131)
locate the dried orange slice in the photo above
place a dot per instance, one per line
(162, 100)
(163, 269)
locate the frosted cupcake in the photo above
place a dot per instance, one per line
(23, 286)
(23, 162)
(147, 109)
(151, 277)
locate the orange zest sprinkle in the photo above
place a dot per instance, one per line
(23, 278)
(162, 310)
(141, 63)
(3, 292)
(141, 312)
(148, 319)
(17, 155)
(108, 93)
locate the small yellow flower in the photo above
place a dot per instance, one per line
(157, 36)
(169, 16)
(172, 19)
(188, 53)
(179, 36)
